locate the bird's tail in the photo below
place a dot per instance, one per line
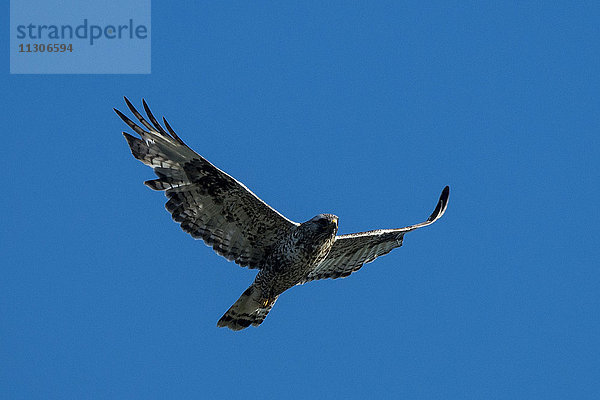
(250, 309)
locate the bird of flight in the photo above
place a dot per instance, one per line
(211, 205)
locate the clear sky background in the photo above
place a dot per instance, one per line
(362, 110)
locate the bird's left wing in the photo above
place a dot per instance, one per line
(208, 203)
(350, 252)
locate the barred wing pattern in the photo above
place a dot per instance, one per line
(350, 252)
(208, 203)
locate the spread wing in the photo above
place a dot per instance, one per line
(208, 203)
(350, 252)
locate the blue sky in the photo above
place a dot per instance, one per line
(362, 110)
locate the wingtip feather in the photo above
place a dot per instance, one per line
(172, 132)
(129, 138)
(441, 206)
(131, 107)
(153, 119)
(124, 118)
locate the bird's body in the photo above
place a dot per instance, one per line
(294, 256)
(213, 206)
(288, 264)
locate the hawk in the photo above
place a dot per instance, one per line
(211, 205)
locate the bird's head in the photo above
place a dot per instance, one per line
(323, 224)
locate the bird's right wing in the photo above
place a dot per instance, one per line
(208, 203)
(350, 252)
